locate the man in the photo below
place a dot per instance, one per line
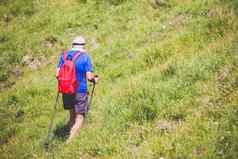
(78, 104)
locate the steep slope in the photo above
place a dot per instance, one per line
(168, 87)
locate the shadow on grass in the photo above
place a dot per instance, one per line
(61, 132)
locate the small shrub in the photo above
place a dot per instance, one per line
(3, 39)
(113, 2)
(169, 71)
(24, 7)
(12, 100)
(142, 104)
(154, 56)
(226, 145)
(4, 75)
(82, 1)
(142, 112)
(6, 135)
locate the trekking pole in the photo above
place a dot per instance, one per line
(50, 128)
(91, 96)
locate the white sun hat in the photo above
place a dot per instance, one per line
(78, 40)
(78, 44)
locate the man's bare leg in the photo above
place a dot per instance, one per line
(71, 118)
(79, 120)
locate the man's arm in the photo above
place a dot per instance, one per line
(57, 72)
(89, 71)
(61, 61)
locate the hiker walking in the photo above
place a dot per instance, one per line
(73, 71)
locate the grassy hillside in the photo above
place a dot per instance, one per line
(169, 78)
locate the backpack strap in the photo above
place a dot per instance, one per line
(65, 55)
(76, 56)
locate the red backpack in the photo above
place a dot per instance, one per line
(67, 79)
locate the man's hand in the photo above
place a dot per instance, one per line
(92, 78)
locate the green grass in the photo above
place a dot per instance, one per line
(168, 73)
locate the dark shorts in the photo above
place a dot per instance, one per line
(78, 102)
